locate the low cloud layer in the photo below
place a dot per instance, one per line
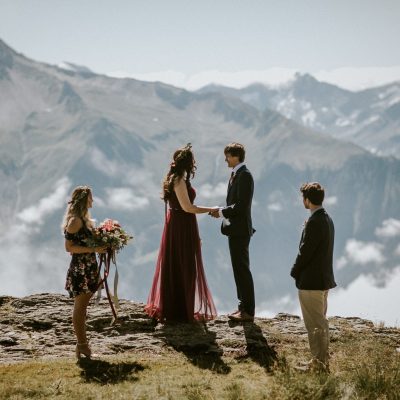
(213, 192)
(28, 266)
(125, 199)
(373, 302)
(348, 78)
(276, 207)
(47, 205)
(364, 252)
(331, 201)
(390, 228)
(361, 253)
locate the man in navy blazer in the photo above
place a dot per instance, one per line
(313, 272)
(237, 225)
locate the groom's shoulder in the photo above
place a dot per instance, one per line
(244, 170)
(244, 173)
(321, 217)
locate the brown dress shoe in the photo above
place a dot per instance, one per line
(234, 313)
(242, 316)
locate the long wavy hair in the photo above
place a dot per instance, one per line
(182, 166)
(78, 207)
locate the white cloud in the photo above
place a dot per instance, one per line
(276, 207)
(98, 201)
(341, 263)
(125, 199)
(364, 252)
(272, 76)
(397, 251)
(27, 267)
(359, 78)
(374, 303)
(270, 309)
(309, 118)
(331, 201)
(211, 192)
(35, 213)
(146, 258)
(348, 78)
(140, 176)
(33, 264)
(390, 228)
(143, 182)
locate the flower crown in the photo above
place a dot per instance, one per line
(182, 154)
(84, 193)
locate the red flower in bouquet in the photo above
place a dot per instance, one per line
(109, 233)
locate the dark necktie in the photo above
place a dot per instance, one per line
(231, 179)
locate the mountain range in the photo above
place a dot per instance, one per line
(65, 126)
(369, 118)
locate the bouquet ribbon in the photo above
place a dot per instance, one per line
(106, 259)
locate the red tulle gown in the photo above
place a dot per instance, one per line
(179, 291)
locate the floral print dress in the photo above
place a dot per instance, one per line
(83, 274)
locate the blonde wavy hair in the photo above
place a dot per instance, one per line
(78, 207)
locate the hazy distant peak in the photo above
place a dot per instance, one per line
(305, 77)
(308, 80)
(211, 86)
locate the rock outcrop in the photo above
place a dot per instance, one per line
(40, 326)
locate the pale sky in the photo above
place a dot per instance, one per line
(190, 42)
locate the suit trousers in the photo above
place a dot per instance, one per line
(314, 305)
(239, 250)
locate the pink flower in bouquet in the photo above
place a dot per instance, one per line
(109, 233)
(108, 225)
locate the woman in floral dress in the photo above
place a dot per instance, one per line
(83, 274)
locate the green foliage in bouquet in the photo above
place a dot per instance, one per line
(109, 233)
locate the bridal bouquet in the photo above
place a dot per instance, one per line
(109, 233)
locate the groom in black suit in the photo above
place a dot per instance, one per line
(237, 225)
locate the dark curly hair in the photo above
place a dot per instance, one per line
(235, 150)
(183, 162)
(314, 192)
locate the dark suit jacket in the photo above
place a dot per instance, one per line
(238, 209)
(313, 268)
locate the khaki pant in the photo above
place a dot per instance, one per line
(314, 304)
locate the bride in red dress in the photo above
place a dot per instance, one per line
(179, 292)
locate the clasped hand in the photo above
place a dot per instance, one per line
(214, 212)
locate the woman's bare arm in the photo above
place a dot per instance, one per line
(74, 225)
(184, 201)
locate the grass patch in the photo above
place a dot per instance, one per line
(105, 372)
(378, 377)
(364, 369)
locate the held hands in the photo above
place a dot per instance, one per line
(214, 212)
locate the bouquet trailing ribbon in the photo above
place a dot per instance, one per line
(106, 259)
(111, 235)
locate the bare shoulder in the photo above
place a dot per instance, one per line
(74, 224)
(179, 182)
